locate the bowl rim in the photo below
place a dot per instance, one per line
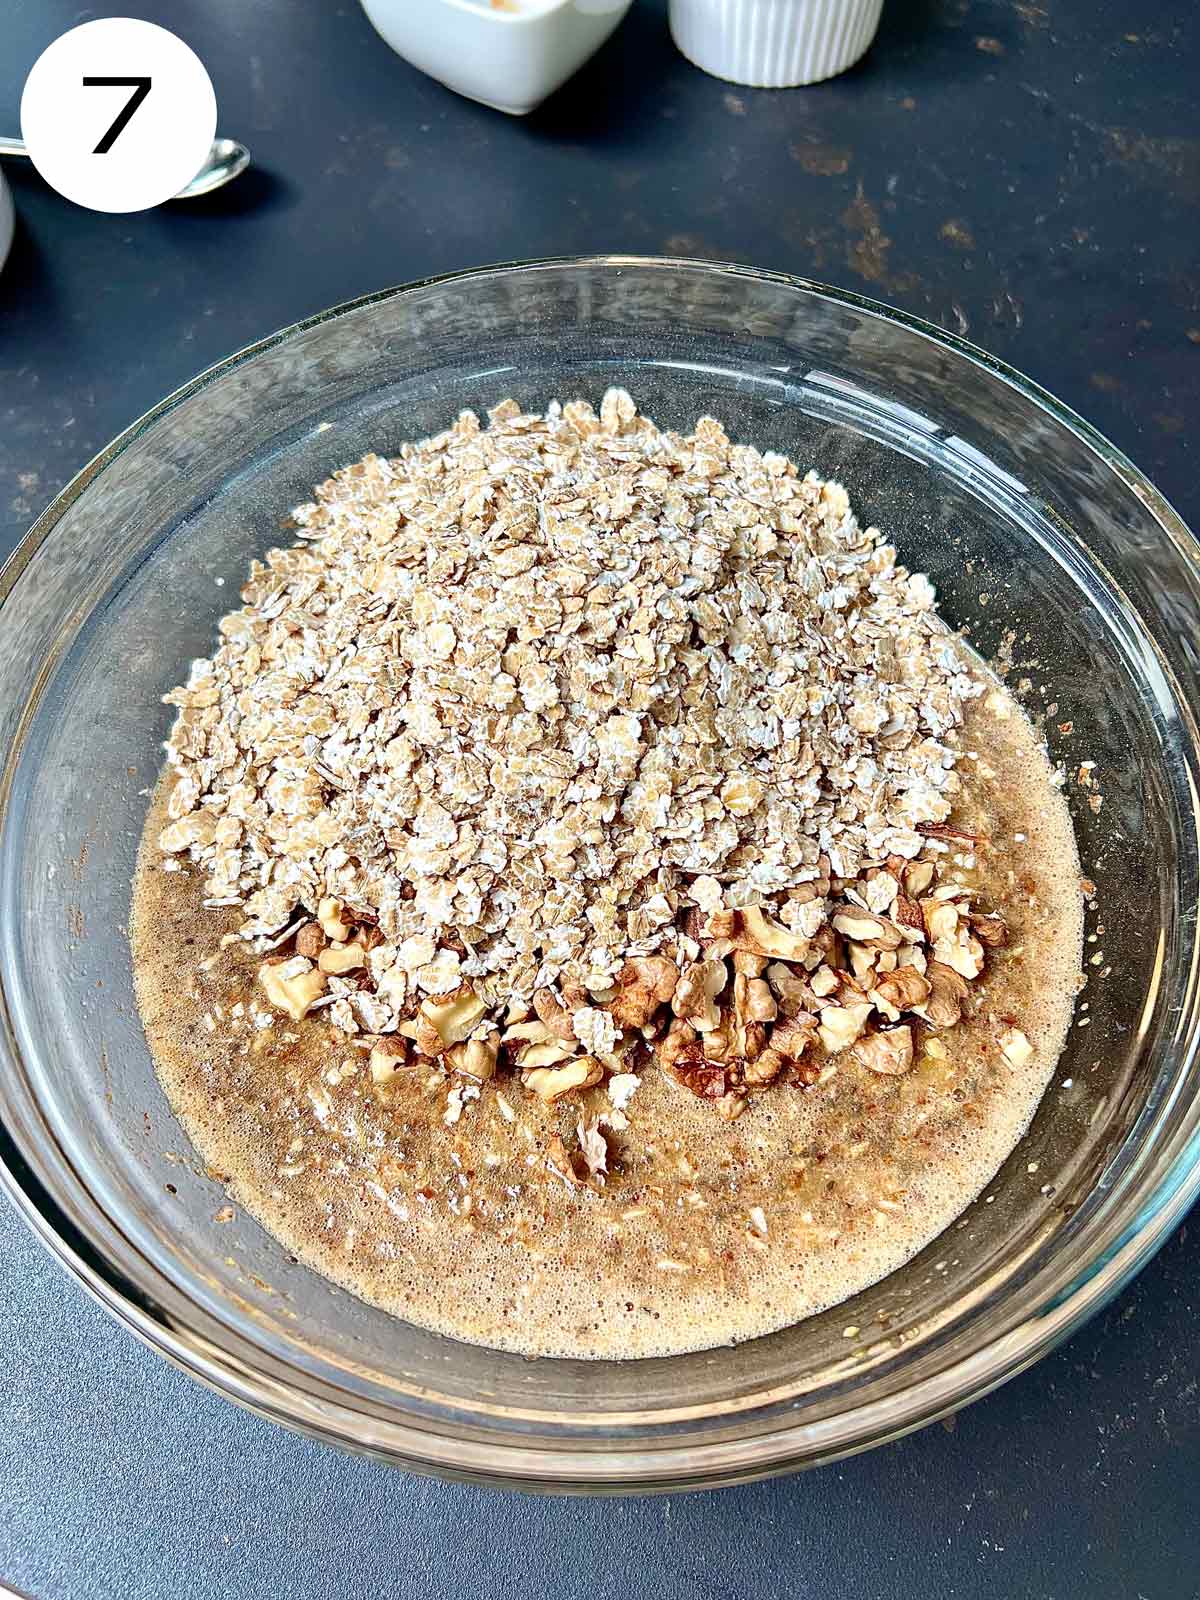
(645, 1465)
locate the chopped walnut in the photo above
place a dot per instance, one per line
(760, 1003)
(388, 1056)
(526, 1033)
(990, 931)
(824, 982)
(731, 1105)
(902, 990)
(941, 920)
(694, 997)
(290, 990)
(889, 1052)
(477, 1058)
(337, 959)
(642, 986)
(908, 916)
(1016, 1047)
(964, 954)
(746, 964)
(331, 916)
(948, 990)
(794, 1036)
(918, 875)
(553, 1014)
(793, 993)
(447, 1019)
(680, 1038)
(862, 962)
(544, 1054)
(865, 928)
(699, 1076)
(760, 933)
(840, 1026)
(310, 940)
(764, 1069)
(718, 1043)
(551, 1083)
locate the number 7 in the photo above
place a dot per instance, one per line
(140, 87)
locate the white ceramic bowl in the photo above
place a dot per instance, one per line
(508, 54)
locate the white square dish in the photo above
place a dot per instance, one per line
(507, 54)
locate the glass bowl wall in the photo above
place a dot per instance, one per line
(1037, 534)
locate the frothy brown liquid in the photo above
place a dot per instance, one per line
(707, 1232)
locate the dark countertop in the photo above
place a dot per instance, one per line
(1025, 174)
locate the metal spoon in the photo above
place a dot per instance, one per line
(226, 159)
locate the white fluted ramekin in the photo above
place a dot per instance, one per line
(774, 44)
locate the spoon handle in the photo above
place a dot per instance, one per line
(13, 147)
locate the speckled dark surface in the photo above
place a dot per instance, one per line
(1026, 174)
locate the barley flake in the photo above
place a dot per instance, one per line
(525, 694)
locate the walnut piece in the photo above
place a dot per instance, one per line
(989, 930)
(947, 991)
(902, 990)
(761, 933)
(793, 993)
(547, 1053)
(694, 997)
(310, 940)
(698, 1075)
(761, 1005)
(764, 1069)
(526, 1032)
(1016, 1047)
(292, 992)
(643, 985)
(889, 1052)
(908, 917)
(918, 875)
(862, 962)
(824, 981)
(551, 1083)
(388, 1057)
(840, 1026)
(941, 920)
(336, 959)
(330, 914)
(747, 964)
(731, 1105)
(867, 928)
(476, 1059)
(447, 1019)
(553, 1014)
(794, 1036)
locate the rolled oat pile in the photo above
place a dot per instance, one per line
(538, 702)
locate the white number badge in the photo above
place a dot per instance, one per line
(118, 115)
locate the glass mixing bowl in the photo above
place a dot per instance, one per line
(1035, 530)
